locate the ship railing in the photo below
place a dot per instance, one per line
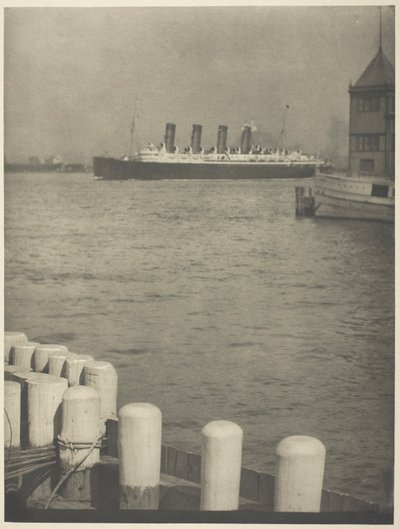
(148, 155)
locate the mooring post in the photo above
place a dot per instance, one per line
(20, 376)
(139, 449)
(220, 466)
(299, 201)
(44, 409)
(299, 474)
(79, 443)
(9, 371)
(12, 414)
(103, 377)
(41, 356)
(57, 363)
(21, 354)
(10, 339)
(74, 367)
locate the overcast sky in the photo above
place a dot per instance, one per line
(72, 74)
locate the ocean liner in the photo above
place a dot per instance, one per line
(220, 162)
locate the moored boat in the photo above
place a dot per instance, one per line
(341, 196)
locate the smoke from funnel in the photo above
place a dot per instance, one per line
(252, 124)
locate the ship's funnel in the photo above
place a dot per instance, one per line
(170, 137)
(246, 140)
(221, 141)
(195, 142)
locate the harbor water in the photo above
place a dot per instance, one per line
(213, 302)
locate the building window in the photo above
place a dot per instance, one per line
(367, 167)
(379, 191)
(391, 104)
(367, 142)
(369, 104)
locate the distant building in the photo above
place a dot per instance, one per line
(372, 120)
(34, 160)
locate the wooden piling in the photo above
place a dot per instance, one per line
(74, 367)
(12, 414)
(79, 445)
(44, 409)
(10, 339)
(9, 370)
(139, 448)
(103, 377)
(220, 466)
(299, 474)
(21, 377)
(41, 356)
(21, 354)
(57, 363)
(299, 200)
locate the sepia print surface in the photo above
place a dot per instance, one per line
(153, 155)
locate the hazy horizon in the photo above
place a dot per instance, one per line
(71, 75)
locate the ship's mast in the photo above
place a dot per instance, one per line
(132, 129)
(283, 132)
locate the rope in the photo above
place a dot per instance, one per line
(9, 448)
(27, 470)
(75, 446)
(75, 467)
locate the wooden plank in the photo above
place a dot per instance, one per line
(13, 485)
(109, 483)
(266, 490)
(350, 504)
(325, 501)
(335, 502)
(182, 465)
(249, 484)
(171, 460)
(112, 437)
(163, 459)
(178, 494)
(194, 467)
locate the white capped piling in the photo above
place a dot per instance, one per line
(299, 474)
(21, 377)
(74, 367)
(103, 377)
(10, 339)
(79, 442)
(57, 363)
(41, 356)
(12, 414)
(220, 466)
(139, 450)
(9, 370)
(21, 354)
(44, 409)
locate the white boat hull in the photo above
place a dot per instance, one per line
(354, 198)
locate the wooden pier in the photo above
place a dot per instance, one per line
(70, 456)
(305, 204)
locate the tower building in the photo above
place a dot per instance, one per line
(372, 120)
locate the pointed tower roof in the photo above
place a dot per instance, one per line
(379, 72)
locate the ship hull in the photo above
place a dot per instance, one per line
(114, 169)
(354, 198)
